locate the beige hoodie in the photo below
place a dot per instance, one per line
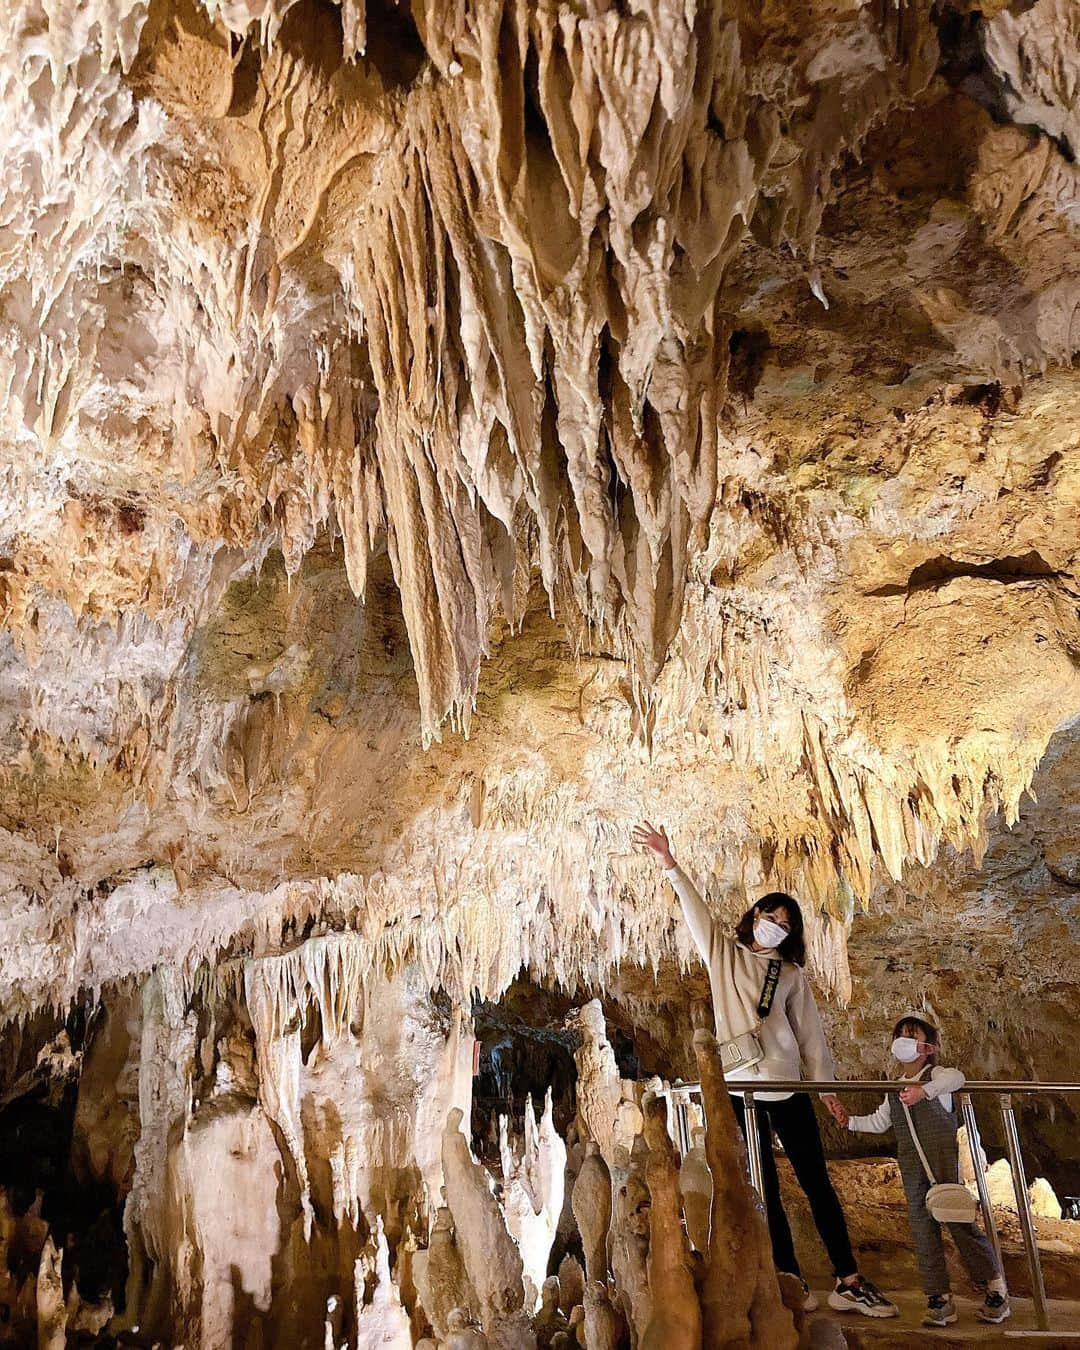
(791, 1035)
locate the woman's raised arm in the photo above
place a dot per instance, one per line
(696, 912)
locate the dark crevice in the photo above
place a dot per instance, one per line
(937, 571)
(963, 65)
(748, 348)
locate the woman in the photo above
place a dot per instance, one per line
(769, 1028)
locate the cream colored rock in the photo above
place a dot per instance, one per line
(695, 1186)
(441, 1281)
(591, 1202)
(490, 1257)
(51, 1309)
(630, 1249)
(999, 1182)
(228, 1166)
(381, 1321)
(532, 1194)
(1043, 1200)
(432, 438)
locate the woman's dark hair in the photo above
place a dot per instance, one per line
(908, 1024)
(793, 947)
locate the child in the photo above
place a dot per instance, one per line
(929, 1099)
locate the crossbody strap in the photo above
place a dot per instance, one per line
(918, 1146)
(768, 989)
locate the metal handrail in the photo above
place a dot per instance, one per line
(1005, 1089)
(871, 1085)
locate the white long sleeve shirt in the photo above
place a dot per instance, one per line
(792, 1036)
(940, 1087)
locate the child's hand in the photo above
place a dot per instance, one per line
(837, 1110)
(910, 1095)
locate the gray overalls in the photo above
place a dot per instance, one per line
(936, 1129)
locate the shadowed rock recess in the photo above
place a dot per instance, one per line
(435, 435)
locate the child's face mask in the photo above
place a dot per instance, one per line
(906, 1049)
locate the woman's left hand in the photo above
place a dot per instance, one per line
(910, 1095)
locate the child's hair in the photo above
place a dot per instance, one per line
(906, 1025)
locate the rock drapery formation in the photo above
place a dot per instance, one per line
(433, 436)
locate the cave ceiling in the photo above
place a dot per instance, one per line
(435, 435)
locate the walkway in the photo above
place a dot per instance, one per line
(905, 1332)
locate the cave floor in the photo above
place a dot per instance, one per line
(905, 1330)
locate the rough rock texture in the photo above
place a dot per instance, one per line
(435, 435)
(737, 338)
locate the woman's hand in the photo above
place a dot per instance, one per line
(654, 841)
(836, 1109)
(910, 1095)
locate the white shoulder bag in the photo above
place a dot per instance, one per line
(947, 1201)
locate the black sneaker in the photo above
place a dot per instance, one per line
(862, 1297)
(995, 1308)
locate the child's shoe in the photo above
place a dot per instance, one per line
(810, 1299)
(940, 1311)
(995, 1307)
(863, 1297)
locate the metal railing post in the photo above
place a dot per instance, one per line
(682, 1125)
(1023, 1209)
(753, 1145)
(967, 1110)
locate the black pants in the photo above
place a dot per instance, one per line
(797, 1129)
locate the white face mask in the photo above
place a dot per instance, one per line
(906, 1049)
(769, 934)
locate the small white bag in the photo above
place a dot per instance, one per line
(947, 1201)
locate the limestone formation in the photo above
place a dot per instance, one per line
(676, 1319)
(433, 436)
(695, 1187)
(532, 1194)
(441, 1282)
(592, 1210)
(51, 1308)
(490, 1256)
(630, 1249)
(381, 1321)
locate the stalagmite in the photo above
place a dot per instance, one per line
(695, 1187)
(630, 1246)
(675, 1323)
(599, 1084)
(463, 1335)
(740, 1299)
(571, 1284)
(381, 1321)
(51, 1309)
(604, 1328)
(532, 1194)
(434, 436)
(550, 1319)
(440, 1274)
(591, 1202)
(491, 1259)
